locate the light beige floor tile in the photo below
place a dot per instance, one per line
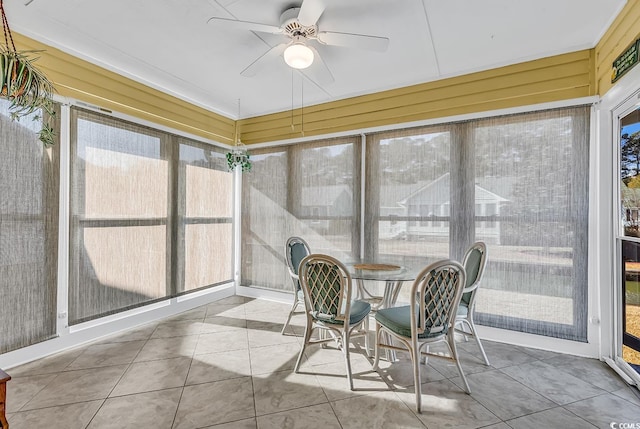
(178, 328)
(135, 334)
(234, 299)
(48, 365)
(228, 310)
(144, 410)
(629, 393)
(219, 392)
(501, 355)
(100, 355)
(471, 364)
(503, 396)
(333, 379)
(261, 305)
(314, 417)
(375, 411)
(223, 323)
(261, 318)
(213, 403)
(592, 371)
(604, 409)
(399, 374)
(73, 416)
(541, 354)
(153, 375)
(21, 390)
(446, 405)
(206, 368)
(238, 424)
(317, 355)
(286, 390)
(552, 383)
(221, 342)
(550, 419)
(274, 358)
(166, 348)
(259, 337)
(76, 386)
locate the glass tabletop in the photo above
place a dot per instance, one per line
(379, 273)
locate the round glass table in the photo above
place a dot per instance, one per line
(393, 277)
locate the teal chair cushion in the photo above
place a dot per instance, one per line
(359, 310)
(463, 310)
(298, 253)
(398, 320)
(472, 268)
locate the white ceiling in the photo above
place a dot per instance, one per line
(167, 44)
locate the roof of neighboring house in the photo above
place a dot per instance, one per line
(487, 189)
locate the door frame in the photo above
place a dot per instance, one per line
(625, 107)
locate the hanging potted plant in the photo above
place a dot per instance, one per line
(238, 155)
(24, 85)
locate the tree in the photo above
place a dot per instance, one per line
(630, 155)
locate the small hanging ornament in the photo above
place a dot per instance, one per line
(238, 156)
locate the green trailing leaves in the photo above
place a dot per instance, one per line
(28, 90)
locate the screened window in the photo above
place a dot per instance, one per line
(205, 228)
(407, 195)
(143, 229)
(311, 190)
(519, 183)
(29, 189)
(531, 182)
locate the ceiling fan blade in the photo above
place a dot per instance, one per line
(361, 41)
(261, 61)
(318, 71)
(310, 12)
(244, 25)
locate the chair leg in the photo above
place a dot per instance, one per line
(472, 327)
(293, 309)
(366, 336)
(462, 329)
(307, 336)
(376, 346)
(345, 349)
(415, 362)
(451, 341)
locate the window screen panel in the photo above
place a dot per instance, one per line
(29, 192)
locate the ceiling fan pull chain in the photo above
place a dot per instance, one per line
(292, 126)
(302, 105)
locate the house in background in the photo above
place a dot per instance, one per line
(432, 200)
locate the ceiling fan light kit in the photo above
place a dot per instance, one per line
(298, 55)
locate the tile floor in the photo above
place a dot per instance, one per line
(226, 365)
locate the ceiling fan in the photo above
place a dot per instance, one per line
(299, 24)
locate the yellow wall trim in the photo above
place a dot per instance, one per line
(545, 80)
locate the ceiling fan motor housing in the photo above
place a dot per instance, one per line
(290, 25)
